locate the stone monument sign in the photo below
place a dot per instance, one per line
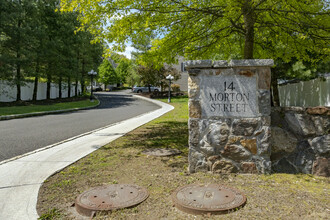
(229, 116)
(229, 96)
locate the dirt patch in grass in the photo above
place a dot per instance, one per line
(277, 196)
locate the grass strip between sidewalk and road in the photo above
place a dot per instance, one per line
(32, 108)
(276, 196)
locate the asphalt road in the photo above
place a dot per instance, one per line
(20, 136)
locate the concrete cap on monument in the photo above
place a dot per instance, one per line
(207, 199)
(161, 152)
(110, 197)
(195, 64)
(252, 62)
(220, 63)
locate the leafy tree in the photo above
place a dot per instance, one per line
(116, 57)
(150, 69)
(38, 48)
(165, 71)
(155, 76)
(107, 74)
(64, 49)
(90, 56)
(123, 69)
(148, 75)
(52, 40)
(132, 78)
(201, 29)
(283, 30)
(143, 53)
(295, 69)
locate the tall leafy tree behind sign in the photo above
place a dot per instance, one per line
(200, 29)
(107, 74)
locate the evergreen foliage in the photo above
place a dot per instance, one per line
(39, 42)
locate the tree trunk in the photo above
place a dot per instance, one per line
(18, 83)
(69, 87)
(249, 20)
(18, 63)
(48, 88)
(60, 87)
(162, 86)
(35, 89)
(82, 82)
(82, 77)
(77, 76)
(36, 81)
(275, 95)
(49, 80)
(76, 88)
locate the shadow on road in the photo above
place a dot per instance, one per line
(108, 134)
(109, 100)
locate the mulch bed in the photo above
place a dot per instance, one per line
(159, 95)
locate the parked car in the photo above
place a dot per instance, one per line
(97, 89)
(140, 89)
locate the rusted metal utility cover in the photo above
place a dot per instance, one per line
(111, 197)
(207, 199)
(161, 152)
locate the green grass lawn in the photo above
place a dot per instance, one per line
(13, 110)
(276, 196)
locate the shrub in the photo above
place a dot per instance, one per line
(175, 88)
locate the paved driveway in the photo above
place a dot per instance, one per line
(20, 136)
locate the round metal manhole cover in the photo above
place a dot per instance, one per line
(111, 197)
(207, 199)
(161, 152)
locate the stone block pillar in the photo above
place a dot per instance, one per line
(229, 116)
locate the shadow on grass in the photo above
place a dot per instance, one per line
(169, 134)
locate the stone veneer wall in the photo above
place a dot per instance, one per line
(232, 137)
(301, 140)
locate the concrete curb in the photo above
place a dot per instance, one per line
(8, 117)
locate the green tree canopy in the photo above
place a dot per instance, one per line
(132, 78)
(107, 73)
(202, 29)
(123, 69)
(155, 76)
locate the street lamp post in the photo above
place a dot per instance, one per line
(92, 73)
(169, 78)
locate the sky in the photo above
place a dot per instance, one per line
(128, 51)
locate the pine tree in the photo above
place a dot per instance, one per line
(16, 41)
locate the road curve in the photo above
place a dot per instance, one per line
(20, 136)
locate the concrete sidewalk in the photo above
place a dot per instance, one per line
(21, 179)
